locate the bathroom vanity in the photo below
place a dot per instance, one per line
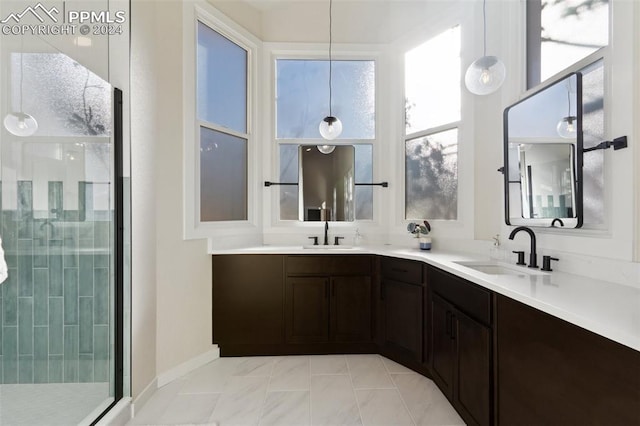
(503, 348)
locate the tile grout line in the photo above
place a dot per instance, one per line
(404, 403)
(353, 390)
(266, 391)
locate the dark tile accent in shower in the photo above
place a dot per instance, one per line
(56, 369)
(71, 354)
(85, 368)
(10, 299)
(56, 330)
(25, 209)
(55, 305)
(25, 369)
(86, 325)
(70, 296)
(40, 297)
(10, 354)
(41, 355)
(25, 326)
(25, 268)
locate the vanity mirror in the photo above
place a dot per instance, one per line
(543, 156)
(342, 179)
(326, 182)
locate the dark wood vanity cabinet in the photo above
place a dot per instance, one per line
(551, 372)
(248, 302)
(328, 299)
(460, 353)
(402, 290)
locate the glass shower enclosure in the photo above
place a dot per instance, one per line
(61, 305)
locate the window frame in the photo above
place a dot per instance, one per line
(318, 51)
(457, 124)
(193, 227)
(533, 45)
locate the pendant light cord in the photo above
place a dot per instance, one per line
(330, 59)
(484, 27)
(21, 69)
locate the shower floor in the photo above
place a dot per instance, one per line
(52, 404)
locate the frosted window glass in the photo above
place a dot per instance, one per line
(65, 98)
(571, 30)
(432, 176)
(223, 176)
(364, 174)
(302, 97)
(432, 82)
(593, 133)
(222, 80)
(289, 174)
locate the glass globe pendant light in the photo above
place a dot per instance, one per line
(486, 74)
(20, 123)
(567, 126)
(330, 126)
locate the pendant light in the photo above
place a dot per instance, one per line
(330, 126)
(326, 149)
(485, 75)
(19, 123)
(567, 125)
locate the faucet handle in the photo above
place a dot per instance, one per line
(546, 263)
(520, 257)
(336, 240)
(315, 240)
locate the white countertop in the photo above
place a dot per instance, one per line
(608, 309)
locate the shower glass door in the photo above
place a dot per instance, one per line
(58, 306)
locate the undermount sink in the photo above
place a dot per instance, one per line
(327, 247)
(497, 268)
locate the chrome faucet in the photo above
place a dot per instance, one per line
(533, 257)
(326, 233)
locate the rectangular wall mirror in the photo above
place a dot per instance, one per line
(327, 176)
(543, 156)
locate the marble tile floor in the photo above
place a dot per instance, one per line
(314, 390)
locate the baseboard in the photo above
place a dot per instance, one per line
(120, 414)
(144, 397)
(188, 366)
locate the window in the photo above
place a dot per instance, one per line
(302, 100)
(222, 71)
(432, 117)
(302, 91)
(561, 33)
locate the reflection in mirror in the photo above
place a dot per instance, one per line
(327, 190)
(543, 156)
(548, 187)
(292, 177)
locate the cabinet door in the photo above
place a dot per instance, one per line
(553, 372)
(442, 344)
(403, 317)
(351, 309)
(248, 302)
(307, 309)
(472, 391)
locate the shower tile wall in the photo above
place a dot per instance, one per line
(54, 307)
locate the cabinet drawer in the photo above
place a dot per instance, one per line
(469, 298)
(329, 265)
(408, 271)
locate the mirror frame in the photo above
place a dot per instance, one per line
(575, 222)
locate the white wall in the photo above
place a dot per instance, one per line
(144, 133)
(183, 267)
(171, 289)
